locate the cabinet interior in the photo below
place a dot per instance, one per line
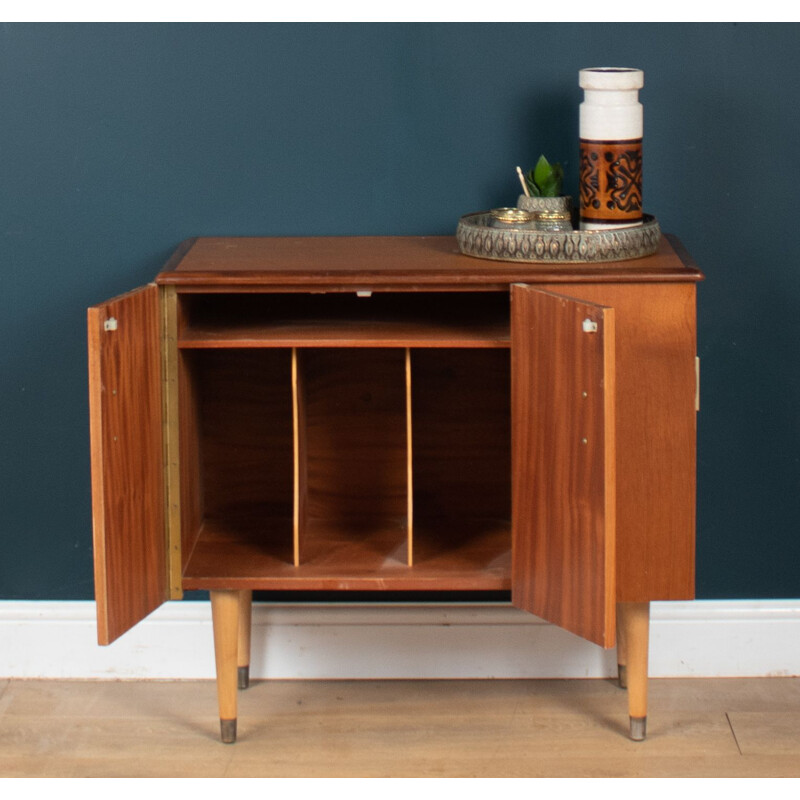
(342, 442)
(427, 319)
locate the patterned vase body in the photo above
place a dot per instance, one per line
(611, 126)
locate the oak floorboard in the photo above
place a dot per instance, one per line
(767, 732)
(514, 728)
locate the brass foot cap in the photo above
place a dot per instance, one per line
(623, 676)
(244, 677)
(227, 728)
(638, 728)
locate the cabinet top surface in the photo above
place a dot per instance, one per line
(408, 262)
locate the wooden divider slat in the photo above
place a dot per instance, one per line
(409, 461)
(300, 455)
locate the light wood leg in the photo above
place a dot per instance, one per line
(622, 655)
(245, 626)
(225, 616)
(635, 618)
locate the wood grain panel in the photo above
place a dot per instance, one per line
(392, 262)
(462, 434)
(246, 436)
(356, 434)
(127, 461)
(656, 436)
(562, 397)
(190, 475)
(177, 499)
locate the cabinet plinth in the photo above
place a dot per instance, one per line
(385, 414)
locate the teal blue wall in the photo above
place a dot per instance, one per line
(118, 141)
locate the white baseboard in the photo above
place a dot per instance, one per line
(696, 639)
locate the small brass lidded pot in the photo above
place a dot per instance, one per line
(553, 214)
(554, 220)
(509, 218)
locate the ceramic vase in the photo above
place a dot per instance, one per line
(611, 128)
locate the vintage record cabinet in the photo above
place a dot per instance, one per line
(386, 414)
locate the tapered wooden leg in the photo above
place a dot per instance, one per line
(245, 626)
(635, 619)
(622, 656)
(225, 616)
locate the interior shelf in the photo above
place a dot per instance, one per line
(469, 319)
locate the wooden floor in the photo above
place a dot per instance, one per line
(697, 728)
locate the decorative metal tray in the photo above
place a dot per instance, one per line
(477, 238)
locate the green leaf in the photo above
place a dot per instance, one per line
(550, 187)
(546, 179)
(542, 172)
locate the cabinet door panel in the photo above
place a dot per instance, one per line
(127, 460)
(563, 503)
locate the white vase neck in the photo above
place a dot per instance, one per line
(611, 79)
(611, 109)
(608, 97)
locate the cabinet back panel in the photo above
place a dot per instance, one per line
(461, 434)
(245, 430)
(355, 434)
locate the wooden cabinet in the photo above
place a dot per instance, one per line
(387, 414)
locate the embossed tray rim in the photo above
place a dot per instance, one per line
(603, 246)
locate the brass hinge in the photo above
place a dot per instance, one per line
(697, 383)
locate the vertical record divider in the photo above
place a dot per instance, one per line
(409, 463)
(300, 455)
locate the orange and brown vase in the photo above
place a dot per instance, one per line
(611, 127)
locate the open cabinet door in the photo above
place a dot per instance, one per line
(563, 459)
(125, 413)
